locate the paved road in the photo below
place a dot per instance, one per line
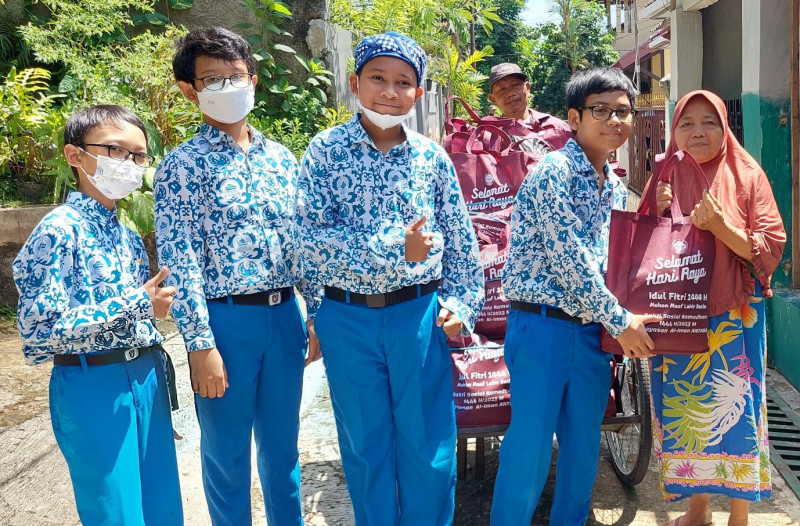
(35, 488)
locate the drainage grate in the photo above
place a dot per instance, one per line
(784, 439)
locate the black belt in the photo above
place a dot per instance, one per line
(383, 300)
(550, 312)
(270, 297)
(125, 355)
(115, 356)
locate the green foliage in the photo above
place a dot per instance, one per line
(501, 40)
(549, 53)
(276, 97)
(144, 66)
(8, 314)
(284, 112)
(80, 36)
(14, 51)
(98, 63)
(442, 27)
(30, 126)
(137, 211)
(295, 131)
(461, 75)
(93, 58)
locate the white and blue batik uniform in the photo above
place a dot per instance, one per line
(560, 379)
(225, 227)
(389, 366)
(80, 278)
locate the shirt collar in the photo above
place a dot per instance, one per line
(576, 154)
(215, 136)
(91, 207)
(359, 134)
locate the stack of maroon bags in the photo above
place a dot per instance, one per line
(491, 166)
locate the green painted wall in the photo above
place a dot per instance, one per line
(767, 136)
(783, 338)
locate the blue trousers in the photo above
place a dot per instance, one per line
(113, 425)
(263, 349)
(391, 387)
(559, 383)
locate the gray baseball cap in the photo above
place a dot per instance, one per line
(504, 70)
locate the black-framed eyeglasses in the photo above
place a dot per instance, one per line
(604, 113)
(119, 153)
(217, 82)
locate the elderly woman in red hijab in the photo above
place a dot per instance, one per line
(710, 422)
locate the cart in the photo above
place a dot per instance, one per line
(628, 432)
(490, 167)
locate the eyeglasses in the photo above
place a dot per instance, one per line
(217, 82)
(119, 153)
(604, 113)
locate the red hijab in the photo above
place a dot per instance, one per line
(742, 188)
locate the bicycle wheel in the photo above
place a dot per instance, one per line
(630, 443)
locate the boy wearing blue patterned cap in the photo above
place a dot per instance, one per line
(385, 230)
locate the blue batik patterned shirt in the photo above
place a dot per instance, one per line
(559, 239)
(79, 277)
(225, 224)
(356, 202)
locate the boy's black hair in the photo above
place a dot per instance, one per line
(84, 121)
(597, 80)
(215, 42)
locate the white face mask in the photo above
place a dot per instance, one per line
(115, 179)
(228, 105)
(382, 120)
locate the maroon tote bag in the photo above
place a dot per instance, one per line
(662, 266)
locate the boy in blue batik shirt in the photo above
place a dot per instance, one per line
(225, 224)
(86, 302)
(385, 230)
(555, 279)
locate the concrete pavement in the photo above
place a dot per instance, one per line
(35, 487)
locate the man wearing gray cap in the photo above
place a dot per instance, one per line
(508, 91)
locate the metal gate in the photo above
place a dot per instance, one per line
(647, 141)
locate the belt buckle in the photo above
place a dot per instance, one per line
(376, 300)
(131, 354)
(274, 298)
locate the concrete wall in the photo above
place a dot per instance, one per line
(766, 48)
(335, 45)
(16, 224)
(686, 41)
(722, 48)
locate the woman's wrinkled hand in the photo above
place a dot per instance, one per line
(663, 197)
(707, 214)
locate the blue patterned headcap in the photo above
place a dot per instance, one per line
(391, 44)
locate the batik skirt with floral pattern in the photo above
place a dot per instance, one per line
(710, 413)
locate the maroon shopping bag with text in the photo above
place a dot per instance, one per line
(489, 170)
(662, 266)
(480, 382)
(494, 234)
